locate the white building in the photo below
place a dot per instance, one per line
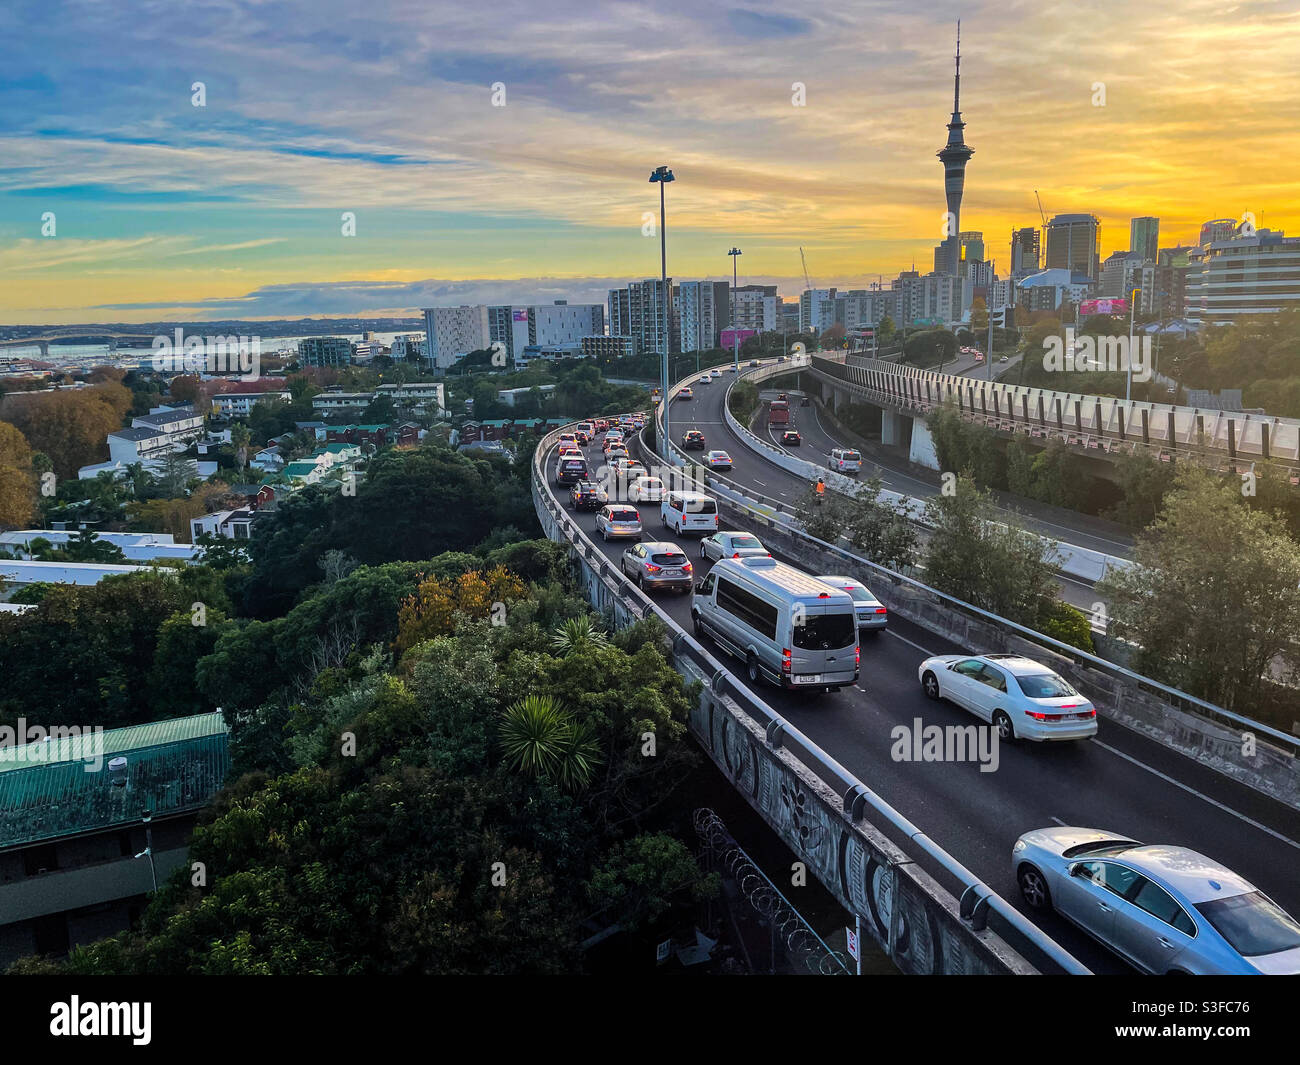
(816, 309)
(557, 324)
(241, 404)
(453, 332)
(756, 307)
(409, 346)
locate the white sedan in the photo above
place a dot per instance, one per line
(732, 544)
(1022, 698)
(1165, 909)
(646, 490)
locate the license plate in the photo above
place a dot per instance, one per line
(672, 573)
(808, 678)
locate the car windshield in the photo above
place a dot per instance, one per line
(745, 541)
(860, 594)
(668, 558)
(1045, 686)
(826, 632)
(1252, 923)
(701, 506)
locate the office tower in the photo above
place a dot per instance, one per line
(1024, 251)
(1072, 244)
(1144, 238)
(1217, 229)
(1246, 275)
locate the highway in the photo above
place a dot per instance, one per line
(1120, 781)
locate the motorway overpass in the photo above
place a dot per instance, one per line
(1095, 425)
(1122, 780)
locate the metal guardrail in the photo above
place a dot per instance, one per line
(1181, 699)
(627, 603)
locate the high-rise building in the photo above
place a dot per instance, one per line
(453, 332)
(972, 246)
(1242, 276)
(649, 317)
(954, 155)
(703, 308)
(1144, 238)
(560, 323)
(619, 312)
(756, 307)
(325, 351)
(1024, 252)
(1072, 244)
(1164, 283)
(1121, 274)
(816, 310)
(1217, 229)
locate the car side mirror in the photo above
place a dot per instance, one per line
(699, 587)
(1075, 869)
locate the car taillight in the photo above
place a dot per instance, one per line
(881, 610)
(786, 666)
(715, 521)
(736, 555)
(857, 656)
(687, 568)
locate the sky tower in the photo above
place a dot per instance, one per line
(954, 156)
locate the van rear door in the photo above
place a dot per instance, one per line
(825, 646)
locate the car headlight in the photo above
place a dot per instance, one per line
(1020, 845)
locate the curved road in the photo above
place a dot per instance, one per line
(1120, 781)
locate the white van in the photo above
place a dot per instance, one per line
(787, 627)
(685, 512)
(845, 460)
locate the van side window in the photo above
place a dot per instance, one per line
(747, 607)
(706, 588)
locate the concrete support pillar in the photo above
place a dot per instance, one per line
(890, 428)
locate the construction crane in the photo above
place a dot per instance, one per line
(1041, 213)
(806, 279)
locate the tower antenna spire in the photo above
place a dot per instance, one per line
(956, 84)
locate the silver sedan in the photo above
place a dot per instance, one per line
(1164, 909)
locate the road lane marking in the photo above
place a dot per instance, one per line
(1192, 791)
(928, 654)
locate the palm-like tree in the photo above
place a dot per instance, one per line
(576, 634)
(541, 739)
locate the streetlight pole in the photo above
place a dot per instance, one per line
(735, 332)
(988, 358)
(1132, 306)
(662, 175)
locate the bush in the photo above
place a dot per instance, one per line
(1068, 624)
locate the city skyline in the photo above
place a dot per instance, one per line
(164, 210)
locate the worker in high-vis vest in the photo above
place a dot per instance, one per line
(820, 488)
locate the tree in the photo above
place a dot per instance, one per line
(643, 877)
(431, 611)
(541, 739)
(1213, 600)
(17, 480)
(885, 330)
(930, 346)
(987, 560)
(979, 314)
(86, 546)
(174, 473)
(240, 438)
(72, 426)
(877, 530)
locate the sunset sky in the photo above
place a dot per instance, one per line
(164, 210)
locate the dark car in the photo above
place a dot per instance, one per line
(792, 437)
(587, 495)
(803, 402)
(693, 440)
(753, 362)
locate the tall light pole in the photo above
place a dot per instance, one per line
(1132, 306)
(735, 332)
(662, 175)
(988, 358)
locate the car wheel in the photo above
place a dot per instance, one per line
(605, 535)
(1033, 887)
(751, 667)
(698, 626)
(930, 685)
(1006, 731)
(640, 581)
